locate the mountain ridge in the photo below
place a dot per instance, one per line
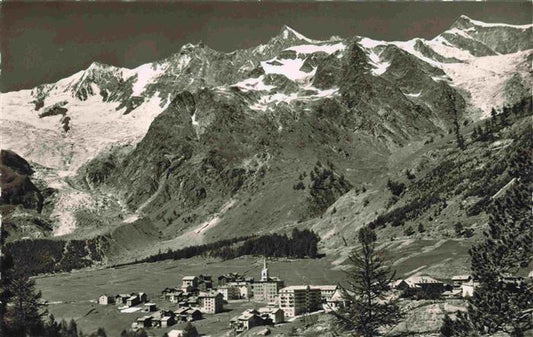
(203, 143)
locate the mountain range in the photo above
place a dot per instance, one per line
(296, 132)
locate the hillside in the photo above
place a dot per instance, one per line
(327, 135)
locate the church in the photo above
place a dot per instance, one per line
(266, 290)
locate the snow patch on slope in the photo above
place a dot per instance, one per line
(146, 74)
(313, 48)
(287, 67)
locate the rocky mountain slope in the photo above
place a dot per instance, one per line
(207, 145)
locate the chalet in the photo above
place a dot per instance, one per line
(149, 307)
(168, 290)
(167, 321)
(143, 298)
(122, 298)
(133, 301)
(424, 283)
(246, 321)
(205, 282)
(189, 283)
(458, 280)
(233, 277)
(274, 314)
(211, 302)
(188, 314)
(175, 296)
(468, 288)
(144, 322)
(336, 302)
(106, 300)
(175, 333)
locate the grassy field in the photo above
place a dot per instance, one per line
(73, 295)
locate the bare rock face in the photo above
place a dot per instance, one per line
(17, 187)
(500, 38)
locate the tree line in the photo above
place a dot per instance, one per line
(32, 257)
(303, 243)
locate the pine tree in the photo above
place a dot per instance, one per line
(190, 330)
(367, 290)
(24, 316)
(500, 304)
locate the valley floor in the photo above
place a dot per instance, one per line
(74, 295)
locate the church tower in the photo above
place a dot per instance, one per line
(264, 272)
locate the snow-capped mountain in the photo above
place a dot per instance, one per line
(201, 124)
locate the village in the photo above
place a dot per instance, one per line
(266, 302)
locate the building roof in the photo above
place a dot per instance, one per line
(175, 333)
(189, 278)
(420, 279)
(131, 298)
(298, 287)
(461, 277)
(325, 287)
(209, 294)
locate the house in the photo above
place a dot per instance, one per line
(211, 302)
(167, 321)
(175, 333)
(326, 291)
(149, 307)
(133, 301)
(424, 283)
(247, 320)
(274, 314)
(205, 282)
(144, 322)
(106, 299)
(468, 288)
(189, 283)
(245, 291)
(122, 298)
(297, 300)
(233, 277)
(143, 298)
(188, 314)
(336, 302)
(174, 296)
(458, 280)
(168, 290)
(229, 292)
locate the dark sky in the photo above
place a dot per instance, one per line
(43, 42)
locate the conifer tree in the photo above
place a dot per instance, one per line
(501, 304)
(367, 289)
(23, 315)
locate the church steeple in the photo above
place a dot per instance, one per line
(264, 272)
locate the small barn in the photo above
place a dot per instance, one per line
(106, 300)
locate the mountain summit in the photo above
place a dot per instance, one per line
(206, 144)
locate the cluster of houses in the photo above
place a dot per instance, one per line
(198, 295)
(461, 286)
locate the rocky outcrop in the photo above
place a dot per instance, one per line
(17, 187)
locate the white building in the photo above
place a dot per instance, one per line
(297, 300)
(468, 288)
(106, 299)
(229, 292)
